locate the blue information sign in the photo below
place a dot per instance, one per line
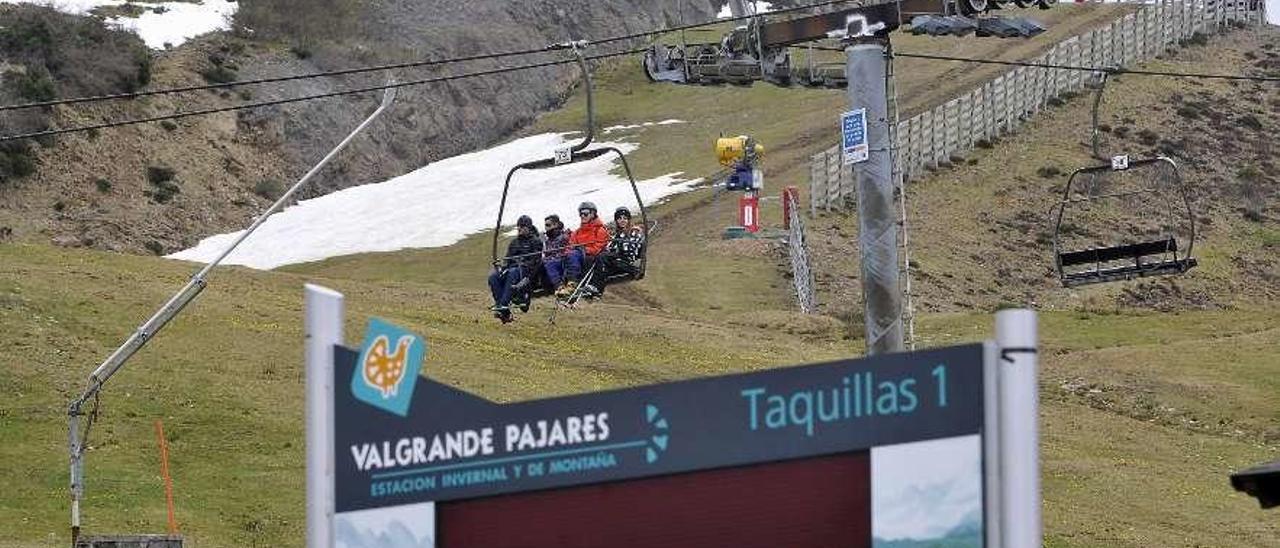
(853, 132)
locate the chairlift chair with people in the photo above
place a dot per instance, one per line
(571, 155)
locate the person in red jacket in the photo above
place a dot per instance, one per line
(586, 243)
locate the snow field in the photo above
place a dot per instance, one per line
(440, 204)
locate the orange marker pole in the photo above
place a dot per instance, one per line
(164, 472)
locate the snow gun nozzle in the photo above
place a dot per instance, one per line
(572, 44)
(389, 94)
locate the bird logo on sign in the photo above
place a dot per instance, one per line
(387, 370)
(383, 371)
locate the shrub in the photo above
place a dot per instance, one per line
(159, 174)
(1048, 172)
(78, 55)
(156, 248)
(269, 189)
(168, 125)
(16, 160)
(1148, 137)
(163, 192)
(36, 84)
(218, 74)
(103, 185)
(161, 178)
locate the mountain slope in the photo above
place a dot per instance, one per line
(100, 189)
(1143, 412)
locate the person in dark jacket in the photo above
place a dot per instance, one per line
(510, 278)
(556, 256)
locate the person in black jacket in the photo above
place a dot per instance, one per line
(511, 276)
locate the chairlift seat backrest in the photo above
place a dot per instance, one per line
(1119, 252)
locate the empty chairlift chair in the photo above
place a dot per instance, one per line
(1127, 220)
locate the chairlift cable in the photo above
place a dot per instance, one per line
(378, 68)
(204, 112)
(271, 80)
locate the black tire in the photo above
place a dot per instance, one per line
(972, 7)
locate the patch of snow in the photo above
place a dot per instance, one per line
(612, 129)
(179, 22)
(439, 205)
(761, 7)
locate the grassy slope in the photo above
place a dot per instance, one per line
(1138, 432)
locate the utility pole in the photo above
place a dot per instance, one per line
(866, 48)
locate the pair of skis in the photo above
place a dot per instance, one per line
(571, 302)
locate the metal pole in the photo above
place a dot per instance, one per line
(1019, 433)
(878, 225)
(991, 445)
(323, 328)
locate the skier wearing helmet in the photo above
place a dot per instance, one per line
(586, 243)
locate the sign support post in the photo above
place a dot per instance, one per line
(323, 328)
(1016, 337)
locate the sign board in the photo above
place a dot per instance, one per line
(1120, 163)
(853, 136)
(846, 452)
(564, 155)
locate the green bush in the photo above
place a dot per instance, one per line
(163, 192)
(103, 185)
(161, 178)
(36, 84)
(16, 160)
(159, 174)
(269, 189)
(80, 55)
(218, 74)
